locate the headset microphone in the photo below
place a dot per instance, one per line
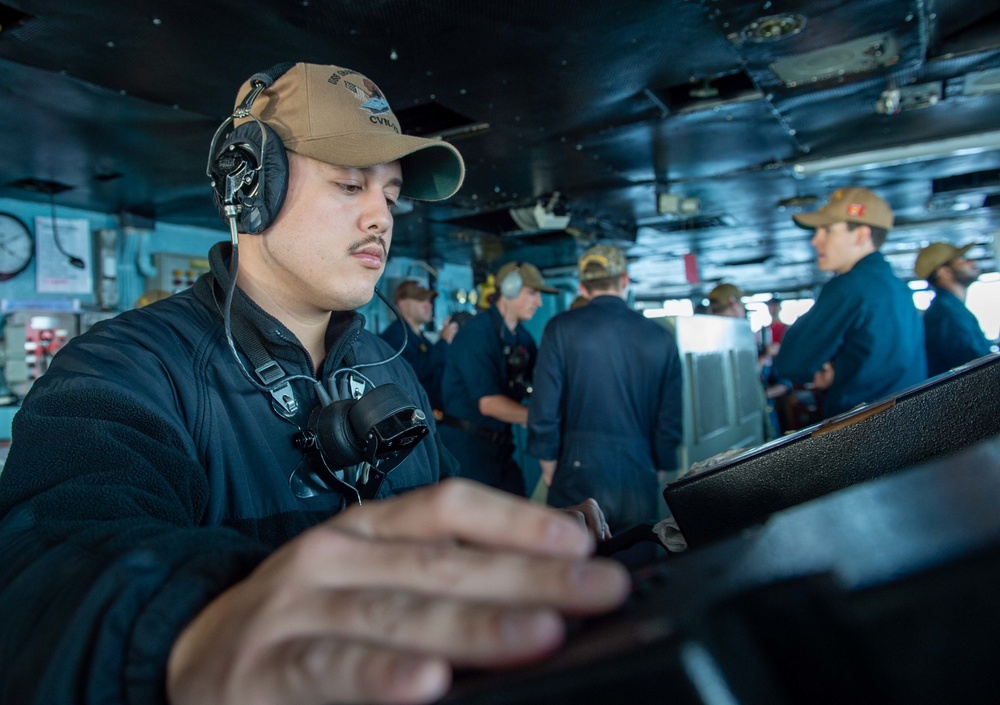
(374, 429)
(379, 429)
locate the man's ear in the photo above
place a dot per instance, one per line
(944, 275)
(862, 233)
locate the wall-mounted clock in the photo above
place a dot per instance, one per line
(17, 246)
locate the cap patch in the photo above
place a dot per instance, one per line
(856, 210)
(375, 102)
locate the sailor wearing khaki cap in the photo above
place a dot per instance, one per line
(415, 304)
(606, 412)
(488, 378)
(953, 334)
(863, 339)
(212, 450)
(726, 300)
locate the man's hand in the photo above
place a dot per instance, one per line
(548, 470)
(380, 603)
(448, 330)
(503, 408)
(590, 515)
(823, 379)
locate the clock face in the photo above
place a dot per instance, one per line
(17, 246)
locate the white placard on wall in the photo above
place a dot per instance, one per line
(59, 252)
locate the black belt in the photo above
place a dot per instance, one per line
(500, 438)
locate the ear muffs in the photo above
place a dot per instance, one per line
(380, 428)
(338, 440)
(249, 170)
(511, 285)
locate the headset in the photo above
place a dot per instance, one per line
(360, 429)
(517, 359)
(512, 283)
(249, 168)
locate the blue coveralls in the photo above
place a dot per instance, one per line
(607, 406)
(476, 368)
(864, 321)
(952, 332)
(426, 358)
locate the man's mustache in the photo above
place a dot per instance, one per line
(371, 240)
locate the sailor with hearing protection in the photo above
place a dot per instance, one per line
(355, 435)
(179, 508)
(487, 379)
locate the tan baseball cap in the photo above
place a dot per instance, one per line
(935, 255)
(602, 262)
(410, 289)
(338, 116)
(852, 205)
(530, 276)
(723, 295)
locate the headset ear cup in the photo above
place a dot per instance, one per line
(337, 441)
(259, 200)
(511, 285)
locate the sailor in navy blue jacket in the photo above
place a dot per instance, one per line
(953, 333)
(863, 339)
(143, 455)
(163, 536)
(487, 378)
(606, 412)
(416, 306)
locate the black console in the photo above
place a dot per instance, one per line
(884, 592)
(945, 414)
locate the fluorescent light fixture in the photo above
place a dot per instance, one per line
(674, 204)
(903, 154)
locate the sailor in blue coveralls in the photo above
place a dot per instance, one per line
(488, 377)
(863, 340)
(953, 334)
(606, 412)
(416, 306)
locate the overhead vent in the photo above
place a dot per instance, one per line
(545, 216)
(704, 94)
(500, 222)
(497, 222)
(964, 192)
(435, 120)
(11, 18)
(699, 223)
(857, 56)
(49, 188)
(981, 82)
(749, 262)
(108, 176)
(987, 181)
(807, 201)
